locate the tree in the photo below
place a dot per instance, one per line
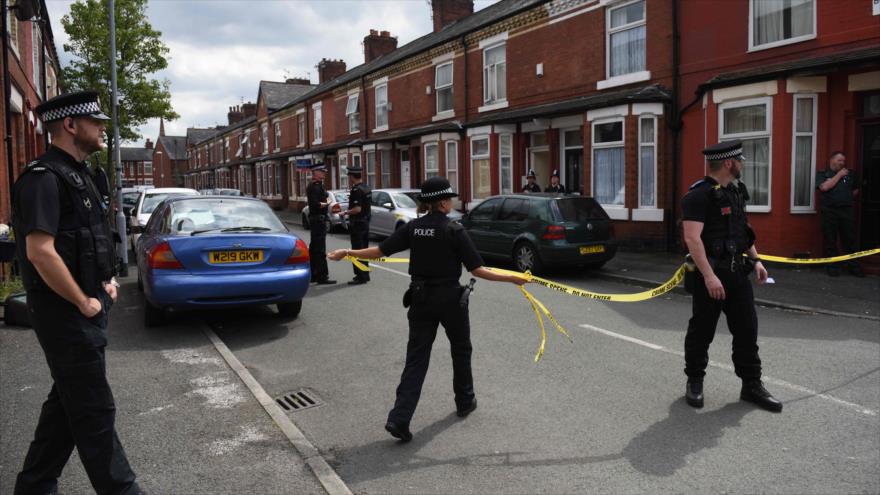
(139, 54)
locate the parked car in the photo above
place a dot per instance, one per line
(391, 209)
(537, 231)
(148, 201)
(225, 191)
(338, 203)
(200, 252)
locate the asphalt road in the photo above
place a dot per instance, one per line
(603, 413)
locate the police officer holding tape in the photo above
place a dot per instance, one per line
(438, 248)
(67, 259)
(717, 235)
(359, 219)
(317, 200)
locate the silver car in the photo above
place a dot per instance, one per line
(338, 203)
(394, 208)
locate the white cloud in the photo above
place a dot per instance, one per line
(219, 51)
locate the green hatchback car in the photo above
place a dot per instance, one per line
(537, 231)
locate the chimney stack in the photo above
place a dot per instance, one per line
(377, 44)
(149, 144)
(298, 80)
(235, 115)
(329, 69)
(248, 109)
(445, 12)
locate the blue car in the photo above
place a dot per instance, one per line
(203, 252)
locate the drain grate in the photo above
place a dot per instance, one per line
(299, 400)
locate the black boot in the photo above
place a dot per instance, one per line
(398, 431)
(754, 391)
(693, 393)
(464, 411)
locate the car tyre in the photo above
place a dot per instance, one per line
(289, 310)
(305, 222)
(153, 316)
(525, 258)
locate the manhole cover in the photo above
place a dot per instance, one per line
(299, 400)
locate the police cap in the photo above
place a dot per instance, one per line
(355, 170)
(435, 189)
(725, 150)
(318, 167)
(78, 104)
(531, 174)
(555, 173)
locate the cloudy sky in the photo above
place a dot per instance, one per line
(221, 49)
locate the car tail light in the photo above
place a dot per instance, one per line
(299, 255)
(554, 233)
(163, 258)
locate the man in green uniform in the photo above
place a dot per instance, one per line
(839, 187)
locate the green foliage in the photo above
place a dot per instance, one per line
(10, 286)
(140, 53)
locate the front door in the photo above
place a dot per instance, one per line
(574, 171)
(539, 161)
(404, 169)
(870, 186)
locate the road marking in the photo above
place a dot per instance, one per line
(328, 478)
(727, 367)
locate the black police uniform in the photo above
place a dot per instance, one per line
(558, 188)
(838, 216)
(359, 224)
(57, 195)
(726, 236)
(438, 248)
(534, 187)
(316, 194)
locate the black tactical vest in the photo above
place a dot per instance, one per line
(366, 211)
(726, 231)
(84, 240)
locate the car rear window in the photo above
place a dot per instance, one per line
(203, 214)
(578, 209)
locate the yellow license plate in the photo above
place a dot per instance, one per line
(592, 249)
(218, 257)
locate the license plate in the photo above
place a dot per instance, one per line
(218, 257)
(592, 249)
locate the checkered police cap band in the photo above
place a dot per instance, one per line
(736, 152)
(71, 111)
(430, 195)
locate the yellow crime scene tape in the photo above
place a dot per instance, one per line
(808, 261)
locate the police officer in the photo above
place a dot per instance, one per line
(438, 248)
(555, 186)
(317, 200)
(531, 186)
(839, 186)
(717, 235)
(359, 219)
(67, 261)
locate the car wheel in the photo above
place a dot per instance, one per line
(525, 257)
(153, 316)
(290, 310)
(305, 222)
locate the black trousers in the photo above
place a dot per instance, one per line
(79, 411)
(742, 320)
(359, 232)
(318, 248)
(441, 307)
(839, 221)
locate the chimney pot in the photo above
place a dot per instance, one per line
(445, 12)
(376, 45)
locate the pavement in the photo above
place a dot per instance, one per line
(797, 287)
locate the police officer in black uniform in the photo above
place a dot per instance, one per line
(317, 200)
(839, 187)
(358, 219)
(67, 258)
(438, 248)
(717, 235)
(555, 186)
(531, 186)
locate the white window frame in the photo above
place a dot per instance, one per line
(486, 157)
(652, 144)
(264, 133)
(811, 207)
(318, 122)
(768, 133)
(36, 49)
(367, 173)
(611, 209)
(352, 114)
(276, 173)
(247, 148)
(301, 129)
(13, 29)
(226, 150)
(435, 146)
(343, 175)
(509, 156)
(783, 42)
(450, 112)
(278, 136)
(451, 161)
(494, 102)
(381, 106)
(633, 77)
(148, 167)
